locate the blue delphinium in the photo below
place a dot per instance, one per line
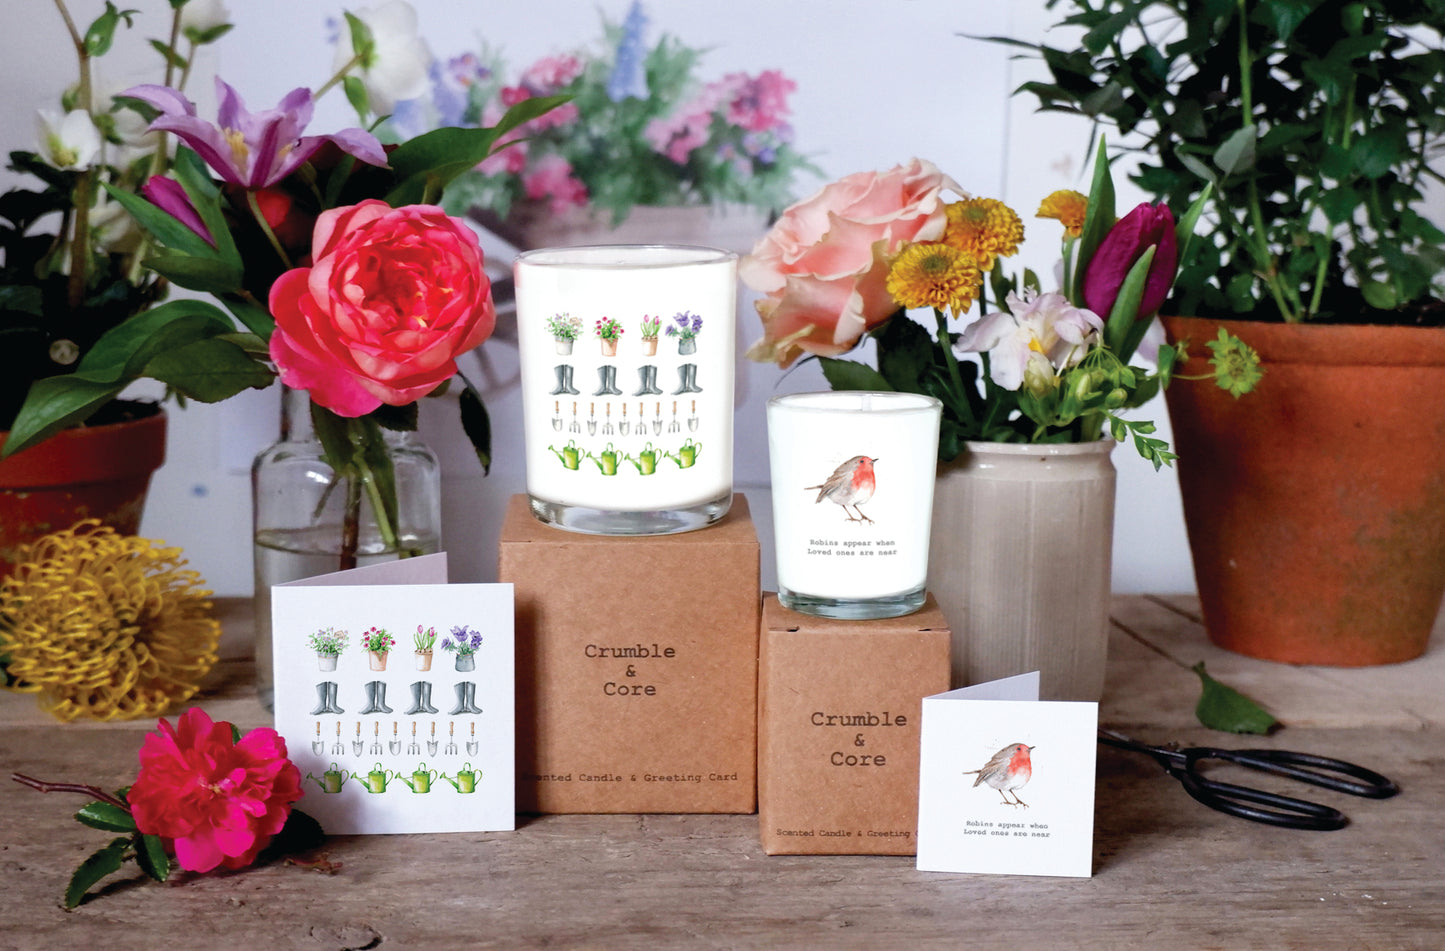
(629, 78)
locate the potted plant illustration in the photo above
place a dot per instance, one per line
(328, 643)
(564, 330)
(1311, 506)
(685, 327)
(424, 641)
(651, 326)
(609, 331)
(377, 642)
(464, 642)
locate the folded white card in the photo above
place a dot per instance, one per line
(419, 742)
(1006, 781)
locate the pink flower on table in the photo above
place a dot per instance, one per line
(759, 103)
(1147, 225)
(824, 265)
(253, 150)
(393, 296)
(213, 800)
(679, 135)
(550, 74)
(552, 178)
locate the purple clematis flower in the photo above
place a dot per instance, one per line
(168, 195)
(253, 150)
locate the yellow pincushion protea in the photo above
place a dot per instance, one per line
(1069, 207)
(985, 227)
(105, 626)
(933, 274)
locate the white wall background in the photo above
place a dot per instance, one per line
(879, 81)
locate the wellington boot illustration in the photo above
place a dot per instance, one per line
(564, 380)
(421, 698)
(375, 699)
(461, 706)
(687, 379)
(647, 377)
(471, 698)
(607, 381)
(326, 694)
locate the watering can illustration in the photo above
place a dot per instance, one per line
(606, 461)
(569, 454)
(686, 454)
(331, 780)
(376, 780)
(466, 779)
(421, 779)
(645, 461)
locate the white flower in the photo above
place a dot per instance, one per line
(1033, 339)
(199, 17)
(72, 142)
(397, 68)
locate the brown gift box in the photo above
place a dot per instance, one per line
(840, 711)
(637, 664)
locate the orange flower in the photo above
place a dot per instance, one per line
(984, 227)
(937, 275)
(1068, 207)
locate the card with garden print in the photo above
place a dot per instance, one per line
(394, 691)
(1006, 781)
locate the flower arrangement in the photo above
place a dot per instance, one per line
(329, 641)
(424, 639)
(651, 326)
(377, 640)
(70, 269)
(463, 641)
(204, 794)
(685, 326)
(1312, 127)
(642, 128)
(1052, 367)
(564, 327)
(608, 328)
(104, 626)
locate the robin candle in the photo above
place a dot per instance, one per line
(653, 475)
(852, 477)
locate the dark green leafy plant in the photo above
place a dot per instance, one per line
(1316, 122)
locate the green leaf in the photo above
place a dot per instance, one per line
(1236, 154)
(101, 33)
(1097, 221)
(477, 424)
(1120, 326)
(1380, 295)
(355, 91)
(150, 855)
(235, 733)
(53, 404)
(171, 57)
(906, 351)
(1224, 708)
(362, 42)
(301, 833)
(851, 375)
(103, 815)
(161, 225)
(103, 862)
(209, 370)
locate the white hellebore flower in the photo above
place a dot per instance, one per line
(397, 69)
(71, 142)
(1033, 339)
(199, 17)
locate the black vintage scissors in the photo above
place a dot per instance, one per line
(1246, 802)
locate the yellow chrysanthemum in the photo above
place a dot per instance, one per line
(1069, 207)
(105, 626)
(934, 274)
(984, 227)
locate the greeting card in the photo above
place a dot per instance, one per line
(1006, 783)
(394, 691)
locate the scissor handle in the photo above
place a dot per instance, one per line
(1286, 811)
(1321, 771)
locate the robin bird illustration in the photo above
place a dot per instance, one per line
(1008, 771)
(852, 483)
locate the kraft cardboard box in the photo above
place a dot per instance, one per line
(840, 709)
(637, 663)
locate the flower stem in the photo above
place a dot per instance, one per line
(955, 377)
(266, 227)
(94, 792)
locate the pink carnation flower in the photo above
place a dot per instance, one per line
(213, 800)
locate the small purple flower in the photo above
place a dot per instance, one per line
(254, 150)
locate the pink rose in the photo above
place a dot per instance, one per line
(392, 297)
(824, 265)
(213, 800)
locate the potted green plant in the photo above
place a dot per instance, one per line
(464, 642)
(651, 326)
(69, 272)
(377, 642)
(1313, 508)
(424, 640)
(564, 330)
(609, 331)
(328, 643)
(685, 327)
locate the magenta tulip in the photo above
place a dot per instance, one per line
(1121, 248)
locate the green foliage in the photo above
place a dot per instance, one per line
(1223, 708)
(1315, 123)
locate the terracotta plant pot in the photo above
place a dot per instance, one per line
(423, 660)
(1316, 504)
(649, 346)
(86, 472)
(377, 659)
(609, 347)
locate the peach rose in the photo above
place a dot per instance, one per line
(392, 297)
(824, 264)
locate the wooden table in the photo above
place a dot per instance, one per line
(1167, 872)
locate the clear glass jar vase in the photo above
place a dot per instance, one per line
(309, 520)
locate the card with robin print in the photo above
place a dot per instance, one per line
(1006, 781)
